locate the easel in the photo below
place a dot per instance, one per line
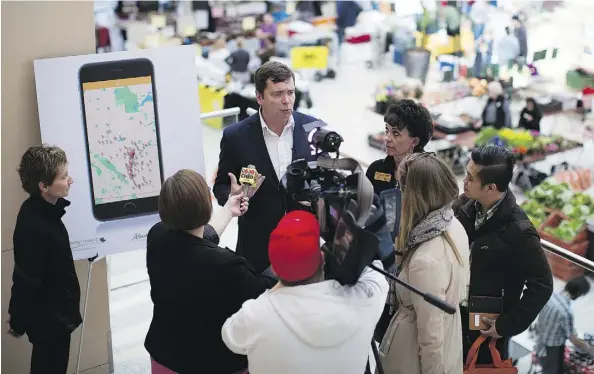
(91, 260)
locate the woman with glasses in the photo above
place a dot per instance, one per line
(433, 254)
(408, 128)
(195, 285)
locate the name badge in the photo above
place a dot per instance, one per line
(384, 177)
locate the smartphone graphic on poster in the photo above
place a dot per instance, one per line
(121, 126)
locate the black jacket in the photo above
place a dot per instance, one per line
(378, 170)
(506, 255)
(530, 125)
(242, 145)
(502, 114)
(195, 287)
(45, 298)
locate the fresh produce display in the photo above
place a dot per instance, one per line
(578, 179)
(523, 142)
(567, 230)
(535, 211)
(576, 208)
(551, 195)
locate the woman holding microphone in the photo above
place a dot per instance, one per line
(408, 128)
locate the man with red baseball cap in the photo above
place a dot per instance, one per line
(306, 324)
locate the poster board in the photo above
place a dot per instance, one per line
(122, 137)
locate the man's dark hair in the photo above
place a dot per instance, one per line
(273, 70)
(407, 114)
(496, 165)
(577, 287)
(40, 163)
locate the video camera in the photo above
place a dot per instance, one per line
(352, 219)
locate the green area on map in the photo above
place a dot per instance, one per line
(127, 98)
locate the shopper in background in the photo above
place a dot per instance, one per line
(507, 261)
(239, 60)
(270, 140)
(508, 49)
(479, 15)
(306, 324)
(496, 112)
(45, 296)
(269, 49)
(556, 324)
(433, 255)
(267, 28)
(346, 16)
(408, 129)
(530, 116)
(195, 285)
(521, 34)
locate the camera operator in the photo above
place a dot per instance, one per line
(270, 140)
(195, 285)
(433, 256)
(508, 265)
(408, 128)
(306, 324)
(45, 295)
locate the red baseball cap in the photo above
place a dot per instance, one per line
(294, 249)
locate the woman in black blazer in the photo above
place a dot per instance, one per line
(530, 116)
(195, 285)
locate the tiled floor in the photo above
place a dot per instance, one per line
(344, 104)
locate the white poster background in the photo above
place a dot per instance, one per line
(61, 123)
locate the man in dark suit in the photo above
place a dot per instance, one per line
(270, 140)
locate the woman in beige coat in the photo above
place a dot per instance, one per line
(434, 256)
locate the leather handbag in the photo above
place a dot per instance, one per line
(497, 367)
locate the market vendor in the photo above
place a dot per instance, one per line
(496, 112)
(408, 129)
(530, 116)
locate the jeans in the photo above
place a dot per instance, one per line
(552, 363)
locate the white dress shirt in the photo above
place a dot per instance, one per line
(280, 148)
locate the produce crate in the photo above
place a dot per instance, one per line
(560, 267)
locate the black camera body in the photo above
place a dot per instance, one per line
(340, 195)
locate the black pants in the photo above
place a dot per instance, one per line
(552, 363)
(50, 355)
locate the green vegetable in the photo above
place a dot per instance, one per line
(567, 229)
(551, 195)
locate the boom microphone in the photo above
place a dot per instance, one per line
(247, 178)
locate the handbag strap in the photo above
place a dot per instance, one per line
(473, 353)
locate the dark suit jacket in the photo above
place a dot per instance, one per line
(242, 145)
(195, 287)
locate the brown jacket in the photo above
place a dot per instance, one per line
(422, 339)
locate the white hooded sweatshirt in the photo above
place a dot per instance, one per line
(320, 328)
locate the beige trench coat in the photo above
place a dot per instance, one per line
(422, 339)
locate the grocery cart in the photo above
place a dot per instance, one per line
(366, 41)
(303, 34)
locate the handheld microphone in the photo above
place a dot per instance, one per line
(247, 178)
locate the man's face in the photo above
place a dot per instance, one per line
(277, 99)
(60, 186)
(398, 142)
(473, 187)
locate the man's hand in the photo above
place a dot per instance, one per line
(491, 332)
(236, 188)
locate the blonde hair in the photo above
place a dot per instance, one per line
(428, 184)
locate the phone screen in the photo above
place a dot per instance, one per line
(122, 138)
